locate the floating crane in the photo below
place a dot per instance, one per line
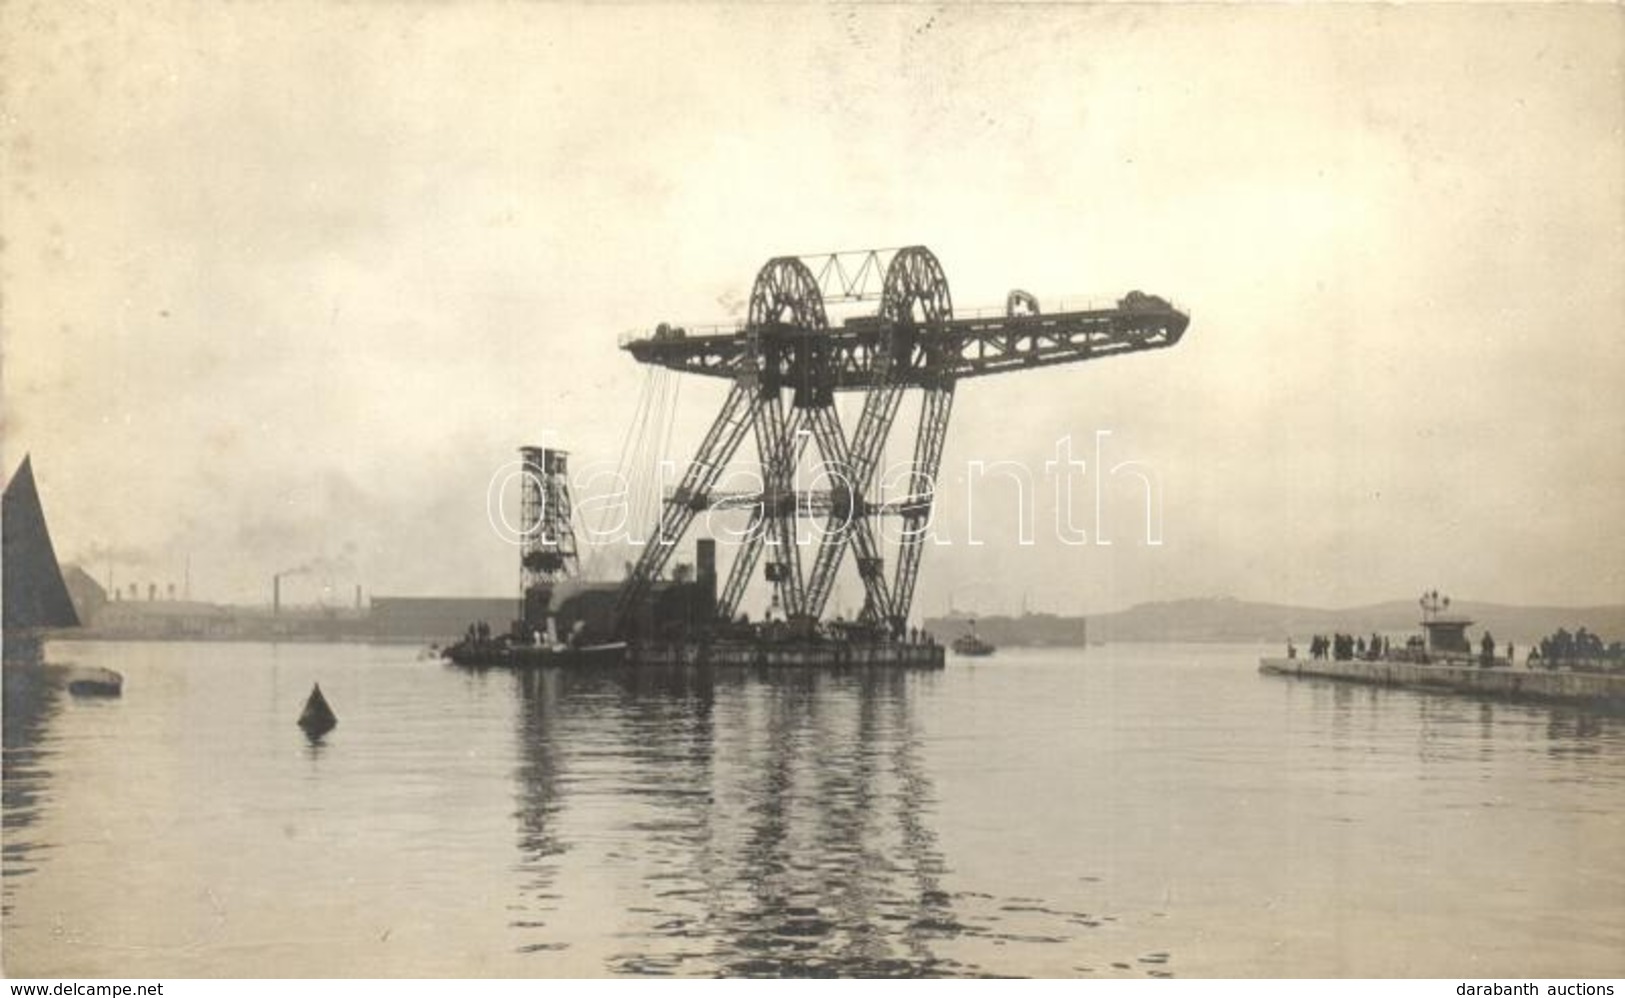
(785, 365)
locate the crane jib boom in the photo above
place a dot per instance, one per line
(969, 348)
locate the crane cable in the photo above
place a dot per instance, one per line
(637, 471)
(651, 446)
(630, 443)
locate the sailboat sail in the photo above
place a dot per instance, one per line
(31, 585)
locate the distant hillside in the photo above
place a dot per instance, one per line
(1225, 619)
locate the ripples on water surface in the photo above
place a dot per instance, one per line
(1126, 811)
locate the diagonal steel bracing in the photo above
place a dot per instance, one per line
(692, 493)
(776, 446)
(848, 522)
(755, 536)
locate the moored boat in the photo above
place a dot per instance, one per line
(971, 645)
(94, 681)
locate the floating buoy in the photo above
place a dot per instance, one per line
(317, 719)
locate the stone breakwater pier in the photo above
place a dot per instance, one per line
(1601, 690)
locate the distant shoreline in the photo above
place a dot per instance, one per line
(1208, 621)
(1231, 621)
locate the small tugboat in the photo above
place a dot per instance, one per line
(971, 645)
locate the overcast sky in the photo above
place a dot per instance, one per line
(283, 284)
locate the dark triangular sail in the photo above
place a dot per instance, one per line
(31, 585)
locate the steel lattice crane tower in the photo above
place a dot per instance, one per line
(913, 343)
(548, 541)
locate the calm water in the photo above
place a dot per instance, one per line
(1124, 811)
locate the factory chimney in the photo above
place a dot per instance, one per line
(705, 553)
(276, 595)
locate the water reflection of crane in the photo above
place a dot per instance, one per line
(841, 864)
(781, 822)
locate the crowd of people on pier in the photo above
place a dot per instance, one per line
(1577, 650)
(1353, 648)
(1580, 649)
(1346, 647)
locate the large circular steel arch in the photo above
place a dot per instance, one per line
(786, 299)
(915, 300)
(786, 293)
(915, 293)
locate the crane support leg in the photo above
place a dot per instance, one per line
(755, 537)
(848, 522)
(743, 567)
(934, 412)
(776, 444)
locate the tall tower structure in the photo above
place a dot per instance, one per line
(548, 551)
